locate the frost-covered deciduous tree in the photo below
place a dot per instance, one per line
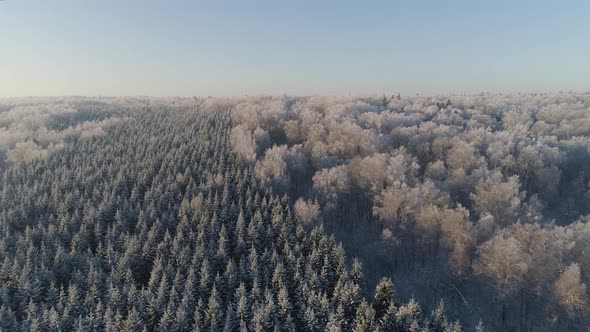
(332, 182)
(306, 211)
(499, 197)
(504, 262)
(572, 292)
(243, 143)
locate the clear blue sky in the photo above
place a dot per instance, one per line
(129, 47)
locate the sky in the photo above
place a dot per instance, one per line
(231, 48)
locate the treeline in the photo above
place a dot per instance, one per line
(155, 224)
(479, 199)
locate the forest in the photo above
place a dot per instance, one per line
(278, 213)
(135, 215)
(479, 200)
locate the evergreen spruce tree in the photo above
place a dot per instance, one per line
(214, 312)
(365, 318)
(384, 297)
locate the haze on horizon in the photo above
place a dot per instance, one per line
(185, 48)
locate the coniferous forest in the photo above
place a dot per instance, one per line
(284, 213)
